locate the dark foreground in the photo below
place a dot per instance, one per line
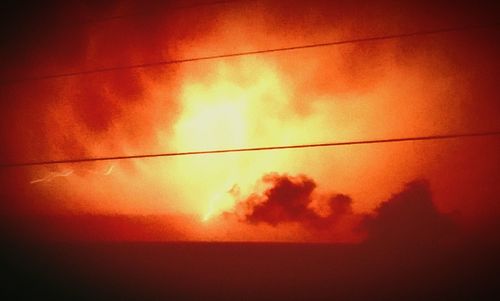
(245, 271)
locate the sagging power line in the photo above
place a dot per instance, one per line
(253, 52)
(253, 149)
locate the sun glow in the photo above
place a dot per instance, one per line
(222, 110)
(220, 201)
(241, 103)
(234, 108)
(216, 118)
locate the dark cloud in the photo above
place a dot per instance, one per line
(290, 199)
(409, 218)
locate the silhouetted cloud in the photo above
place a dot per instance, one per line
(408, 217)
(290, 199)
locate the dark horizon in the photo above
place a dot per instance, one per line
(248, 271)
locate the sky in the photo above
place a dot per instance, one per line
(414, 86)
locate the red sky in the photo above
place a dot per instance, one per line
(422, 85)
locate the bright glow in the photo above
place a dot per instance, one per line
(244, 103)
(216, 118)
(218, 202)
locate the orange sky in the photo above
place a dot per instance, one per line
(395, 88)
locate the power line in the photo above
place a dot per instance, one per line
(254, 52)
(253, 149)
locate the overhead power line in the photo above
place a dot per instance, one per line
(253, 52)
(252, 149)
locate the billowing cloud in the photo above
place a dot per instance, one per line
(291, 199)
(408, 217)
